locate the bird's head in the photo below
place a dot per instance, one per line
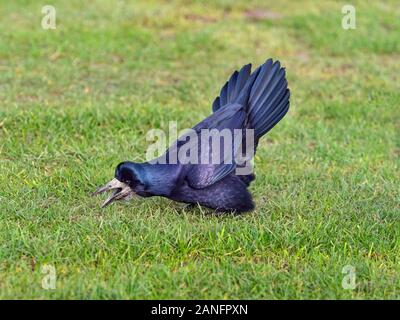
(126, 184)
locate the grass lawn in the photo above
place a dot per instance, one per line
(77, 100)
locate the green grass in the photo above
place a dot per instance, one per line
(77, 100)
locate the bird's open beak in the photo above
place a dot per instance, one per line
(121, 191)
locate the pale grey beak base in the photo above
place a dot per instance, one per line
(121, 191)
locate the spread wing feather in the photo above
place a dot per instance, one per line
(257, 100)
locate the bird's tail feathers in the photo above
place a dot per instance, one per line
(232, 88)
(264, 93)
(266, 96)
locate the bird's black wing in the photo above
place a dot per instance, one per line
(228, 118)
(258, 102)
(203, 171)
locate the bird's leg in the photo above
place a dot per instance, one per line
(190, 206)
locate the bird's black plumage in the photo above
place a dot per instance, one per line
(248, 100)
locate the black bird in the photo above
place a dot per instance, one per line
(257, 101)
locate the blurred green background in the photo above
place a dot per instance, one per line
(77, 100)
